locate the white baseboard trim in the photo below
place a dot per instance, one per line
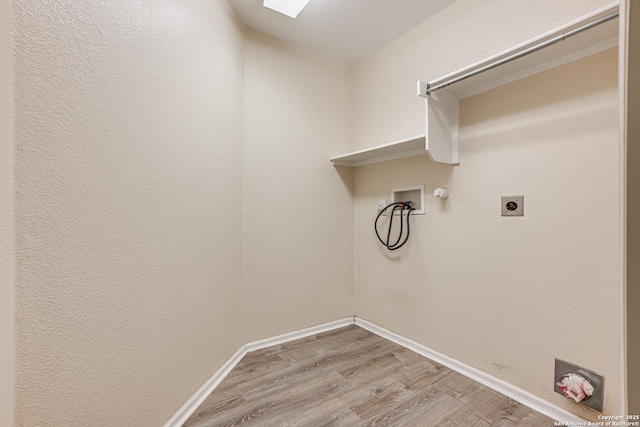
(503, 387)
(303, 333)
(205, 390)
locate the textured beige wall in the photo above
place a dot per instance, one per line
(129, 171)
(7, 245)
(633, 209)
(505, 295)
(298, 226)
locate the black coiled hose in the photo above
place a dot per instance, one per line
(402, 207)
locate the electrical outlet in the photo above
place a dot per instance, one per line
(512, 206)
(596, 401)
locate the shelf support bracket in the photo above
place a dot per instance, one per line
(442, 124)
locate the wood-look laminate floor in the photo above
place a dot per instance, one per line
(351, 377)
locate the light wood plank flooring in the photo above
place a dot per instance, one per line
(351, 377)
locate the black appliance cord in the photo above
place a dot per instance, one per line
(402, 206)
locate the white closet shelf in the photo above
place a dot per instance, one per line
(440, 140)
(548, 50)
(392, 150)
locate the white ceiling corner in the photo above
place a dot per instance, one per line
(349, 30)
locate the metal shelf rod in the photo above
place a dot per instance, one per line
(432, 87)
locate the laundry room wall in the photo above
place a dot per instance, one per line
(503, 295)
(298, 210)
(128, 130)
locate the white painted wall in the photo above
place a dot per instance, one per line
(298, 230)
(7, 240)
(505, 295)
(129, 229)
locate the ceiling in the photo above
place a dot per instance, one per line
(349, 30)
